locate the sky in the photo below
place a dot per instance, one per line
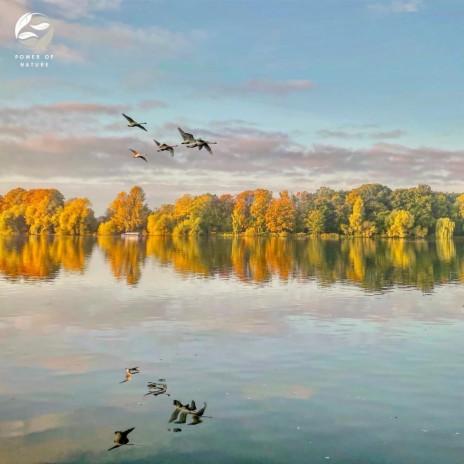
(297, 95)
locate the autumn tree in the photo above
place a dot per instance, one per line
(444, 228)
(41, 205)
(400, 223)
(241, 217)
(127, 213)
(358, 225)
(76, 217)
(280, 215)
(258, 208)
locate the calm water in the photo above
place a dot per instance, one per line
(304, 351)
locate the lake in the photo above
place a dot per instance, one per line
(303, 350)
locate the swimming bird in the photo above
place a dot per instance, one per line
(137, 154)
(188, 138)
(133, 123)
(165, 147)
(120, 438)
(200, 143)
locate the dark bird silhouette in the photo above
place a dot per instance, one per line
(137, 154)
(120, 438)
(133, 370)
(188, 138)
(133, 123)
(165, 147)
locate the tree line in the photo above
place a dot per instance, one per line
(365, 211)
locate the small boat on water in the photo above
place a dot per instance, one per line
(131, 235)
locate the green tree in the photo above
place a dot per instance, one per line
(315, 222)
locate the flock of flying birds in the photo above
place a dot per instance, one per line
(188, 139)
(178, 416)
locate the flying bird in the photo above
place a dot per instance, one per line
(188, 138)
(120, 438)
(165, 147)
(137, 154)
(133, 370)
(200, 143)
(133, 123)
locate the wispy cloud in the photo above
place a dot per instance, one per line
(263, 87)
(277, 87)
(396, 6)
(82, 8)
(346, 135)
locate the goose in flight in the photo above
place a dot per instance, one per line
(188, 138)
(133, 123)
(137, 155)
(165, 147)
(132, 370)
(200, 143)
(120, 438)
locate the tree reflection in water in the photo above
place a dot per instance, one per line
(374, 265)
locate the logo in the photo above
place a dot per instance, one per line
(34, 30)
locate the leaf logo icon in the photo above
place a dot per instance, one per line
(23, 21)
(41, 26)
(26, 35)
(30, 22)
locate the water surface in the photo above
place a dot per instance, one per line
(304, 350)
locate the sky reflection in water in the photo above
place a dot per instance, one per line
(302, 350)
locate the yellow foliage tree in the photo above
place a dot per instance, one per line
(400, 222)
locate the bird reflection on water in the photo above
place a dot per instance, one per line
(182, 410)
(156, 388)
(121, 438)
(128, 373)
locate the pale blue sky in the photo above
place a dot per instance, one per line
(298, 94)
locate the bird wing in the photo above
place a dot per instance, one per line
(113, 447)
(135, 152)
(193, 406)
(200, 412)
(183, 418)
(157, 143)
(141, 127)
(171, 150)
(128, 117)
(126, 432)
(195, 420)
(207, 147)
(174, 415)
(186, 136)
(143, 157)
